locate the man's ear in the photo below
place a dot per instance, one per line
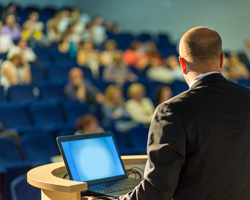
(183, 65)
(221, 60)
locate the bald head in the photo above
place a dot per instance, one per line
(200, 44)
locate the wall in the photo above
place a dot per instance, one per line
(229, 17)
(41, 3)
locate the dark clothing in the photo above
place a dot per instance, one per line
(199, 145)
(70, 91)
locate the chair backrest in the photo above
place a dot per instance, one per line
(51, 90)
(57, 73)
(21, 93)
(22, 190)
(2, 95)
(179, 87)
(46, 113)
(14, 116)
(74, 110)
(38, 147)
(8, 151)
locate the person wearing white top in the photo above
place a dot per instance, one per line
(22, 49)
(15, 71)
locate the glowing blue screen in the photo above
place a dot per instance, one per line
(92, 159)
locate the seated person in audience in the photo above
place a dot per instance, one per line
(139, 107)
(5, 41)
(15, 71)
(67, 46)
(53, 34)
(95, 31)
(11, 28)
(10, 9)
(136, 56)
(234, 69)
(33, 30)
(81, 89)
(163, 93)
(88, 124)
(118, 71)
(114, 110)
(106, 56)
(23, 50)
(244, 56)
(88, 56)
(166, 73)
(153, 53)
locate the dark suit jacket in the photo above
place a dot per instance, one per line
(199, 145)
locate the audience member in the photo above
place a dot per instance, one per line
(166, 73)
(33, 31)
(244, 56)
(9, 10)
(163, 93)
(23, 50)
(106, 56)
(95, 31)
(11, 28)
(153, 53)
(88, 56)
(114, 111)
(139, 107)
(88, 124)
(5, 41)
(67, 46)
(136, 56)
(53, 34)
(81, 89)
(15, 71)
(118, 71)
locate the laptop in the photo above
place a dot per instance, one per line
(95, 159)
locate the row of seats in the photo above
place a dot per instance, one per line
(47, 116)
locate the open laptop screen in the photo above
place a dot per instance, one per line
(91, 159)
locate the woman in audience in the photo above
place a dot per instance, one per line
(33, 31)
(88, 124)
(237, 69)
(80, 89)
(136, 56)
(114, 110)
(22, 49)
(163, 93)
(106, 56)
(67, 46)
(88, 56)
(5, 41)
(118, 71)
(53, 34)
(15, 71)
(11, 28)
(139, 107)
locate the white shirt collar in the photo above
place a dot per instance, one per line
(197, 78)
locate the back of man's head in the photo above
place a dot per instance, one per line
(200, 45)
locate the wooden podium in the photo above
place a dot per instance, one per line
(53, 187)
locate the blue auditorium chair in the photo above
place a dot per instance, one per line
(179, 87)
(138, 137)
(8, 151)
(244, 82)
(57, 73)
(144, 37)
(48, 116)
(2, 94)
(16, 116)
(21, 93)
(39, 147)
(50, 90)
(37, 74)
(22, 190)
(74, 109)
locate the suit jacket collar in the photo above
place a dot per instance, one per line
(208, 79)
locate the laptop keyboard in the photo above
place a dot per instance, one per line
(125, 184)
